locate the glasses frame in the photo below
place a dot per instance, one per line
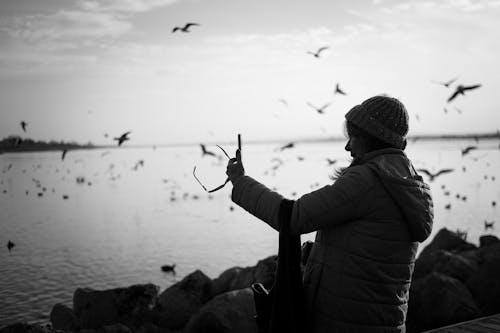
(218, 187)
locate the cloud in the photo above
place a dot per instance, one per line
(461, 5)
(64, 25)
(124, 6)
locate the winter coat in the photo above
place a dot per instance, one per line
(368, 223)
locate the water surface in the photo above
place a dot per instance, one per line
(124, 220)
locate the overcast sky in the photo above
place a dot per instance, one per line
(75, 69)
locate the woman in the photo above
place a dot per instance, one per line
(369, 223)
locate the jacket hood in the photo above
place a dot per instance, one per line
(411, 194)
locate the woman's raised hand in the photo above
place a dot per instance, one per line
(235, 168)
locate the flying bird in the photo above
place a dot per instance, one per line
(10, 245)
(287, 146)
(23, 125)
(204, 151)
(122, 138)
(320, 110)
(488, 225)
(331, 162)
(460, 90)
(185, 28)
(63, 155)
(434, 175)
(338, 90)
(321, 49)
(467, 149)
(446, 84)
(282, 100)
(138, 164)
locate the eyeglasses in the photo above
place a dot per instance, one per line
(218, 187)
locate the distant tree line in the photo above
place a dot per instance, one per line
(15, 143)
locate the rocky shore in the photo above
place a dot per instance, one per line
(453, 281)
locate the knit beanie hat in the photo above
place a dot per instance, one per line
(383, 117)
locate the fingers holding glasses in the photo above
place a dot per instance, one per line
(235, 168)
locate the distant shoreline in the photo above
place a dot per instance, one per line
(11, 145)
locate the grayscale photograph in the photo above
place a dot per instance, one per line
(249, 166)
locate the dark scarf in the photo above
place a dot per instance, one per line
(288, 312)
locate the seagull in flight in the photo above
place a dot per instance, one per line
(321, 49)
(434, 175)
(23, 125)
(122, 138)
(320, 110)
(488, 225)
(460, 90)
(467, 149)
(287, 146)
(204, 151)
(282, 100)
(185, 28)
(447, 83)
(338, 90)
(330, 161)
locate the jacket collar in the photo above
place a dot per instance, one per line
(366, 157)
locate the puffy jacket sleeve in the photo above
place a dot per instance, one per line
(258, 200)
(333, 204)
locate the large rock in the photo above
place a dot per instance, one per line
(445, 262)
(224, 282)
(151, 328)
(231, 312)
(487, 240)
(24, 328)
(179, 302)
(239, 278)
(130, 306)
(439, 300)
(63, 318)
(115, 328)
(485, 283)
(449, 241)
(264, 272)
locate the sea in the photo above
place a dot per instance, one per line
(111, 217)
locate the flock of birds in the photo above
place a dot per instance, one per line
(277, 162)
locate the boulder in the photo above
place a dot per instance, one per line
(487, 240)
(179, 302)
(239, 278)
(449, 241)
(264, 272)
(151, 328)
(439, 300)
(24, 328)
(231, 312)
(130, 306)
(115, 328)
(445, 262)
(484, 284)
(224, 282)
(63, 318)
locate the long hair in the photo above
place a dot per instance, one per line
(371, 143)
